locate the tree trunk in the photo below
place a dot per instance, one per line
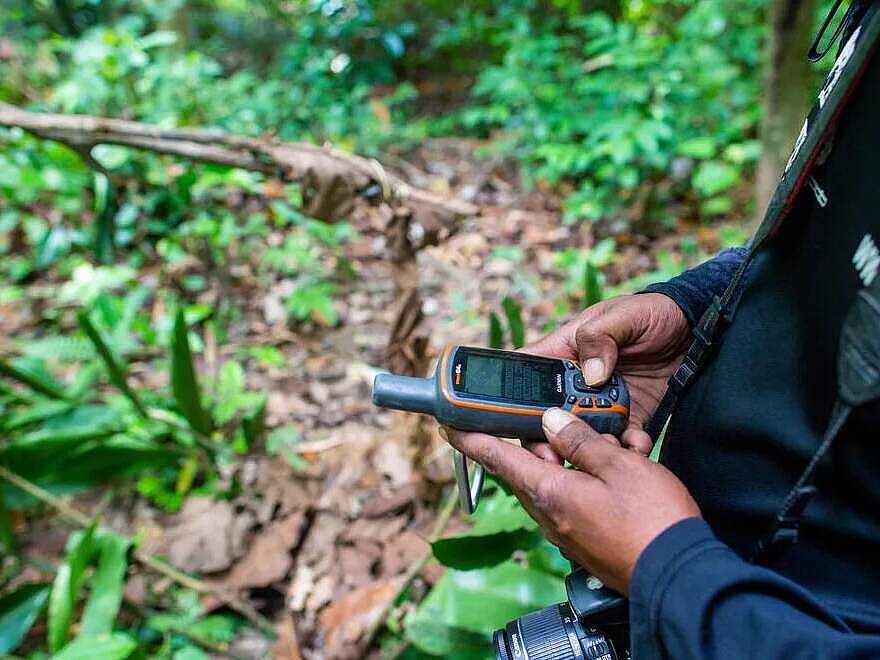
(787, 89)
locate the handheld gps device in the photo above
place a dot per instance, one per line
(505, 394)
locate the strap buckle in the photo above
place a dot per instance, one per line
(704, 334)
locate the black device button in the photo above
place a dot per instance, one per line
(586, 402)
(580, 384)
(572, 398)
(603, 403)
(613, 393)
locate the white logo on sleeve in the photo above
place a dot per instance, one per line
(867, 260)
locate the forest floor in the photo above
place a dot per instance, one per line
(321, 544)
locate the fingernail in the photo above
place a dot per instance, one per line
(594, 370)
(556, 419)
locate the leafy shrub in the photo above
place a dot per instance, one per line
(608, 106)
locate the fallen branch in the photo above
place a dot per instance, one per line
(331, 178)
(80, 519)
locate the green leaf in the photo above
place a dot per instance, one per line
(700, 148)
(720, 205)
(33, 378)
(479, 602)
(18, 611)
(66, 586)
(36, 413)
(496, 332)
(48, 440)
(232, 395)
(446, 641)
(217, 628)
(116, 370)
(106, 595)
(513, 312)
(190, 652)
(592, 285)
(713, 177)
(55, 243)
(117, 646)
(547, 558)
(502, 526)
(183, 378)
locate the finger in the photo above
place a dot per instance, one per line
(517, 466)
(560, 343)
(635, 437)
(579, 443)
(544, 451)
(597, 343)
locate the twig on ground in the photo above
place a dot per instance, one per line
(77, 517)
(416, 568)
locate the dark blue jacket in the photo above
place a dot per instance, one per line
(751, 421)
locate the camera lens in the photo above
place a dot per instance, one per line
(553, 633)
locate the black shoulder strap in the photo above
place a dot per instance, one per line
(852, 62)
(858, 382)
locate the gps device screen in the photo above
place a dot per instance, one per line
(527, 380)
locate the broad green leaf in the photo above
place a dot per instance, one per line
(496, 332)
(35, 413)
(446, 641)
(470, 552)
(479, 601)
(502, 526)
(115, 367)
(66, 586)
(18, 611)
(116, 646)
(106, 594)
(513, 312)
(592, 285)
(33, 378)
(547, 558)
(184, 384)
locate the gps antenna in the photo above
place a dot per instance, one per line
(405, 393)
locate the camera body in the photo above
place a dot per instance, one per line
(593, 624)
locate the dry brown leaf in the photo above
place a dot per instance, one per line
(268, 559)
(392, 462)
(286, 646)
(345, 621)
(403, 552)
(379, 505)
(206, 536)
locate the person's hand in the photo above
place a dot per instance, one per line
(643, 337)
(602, 515)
